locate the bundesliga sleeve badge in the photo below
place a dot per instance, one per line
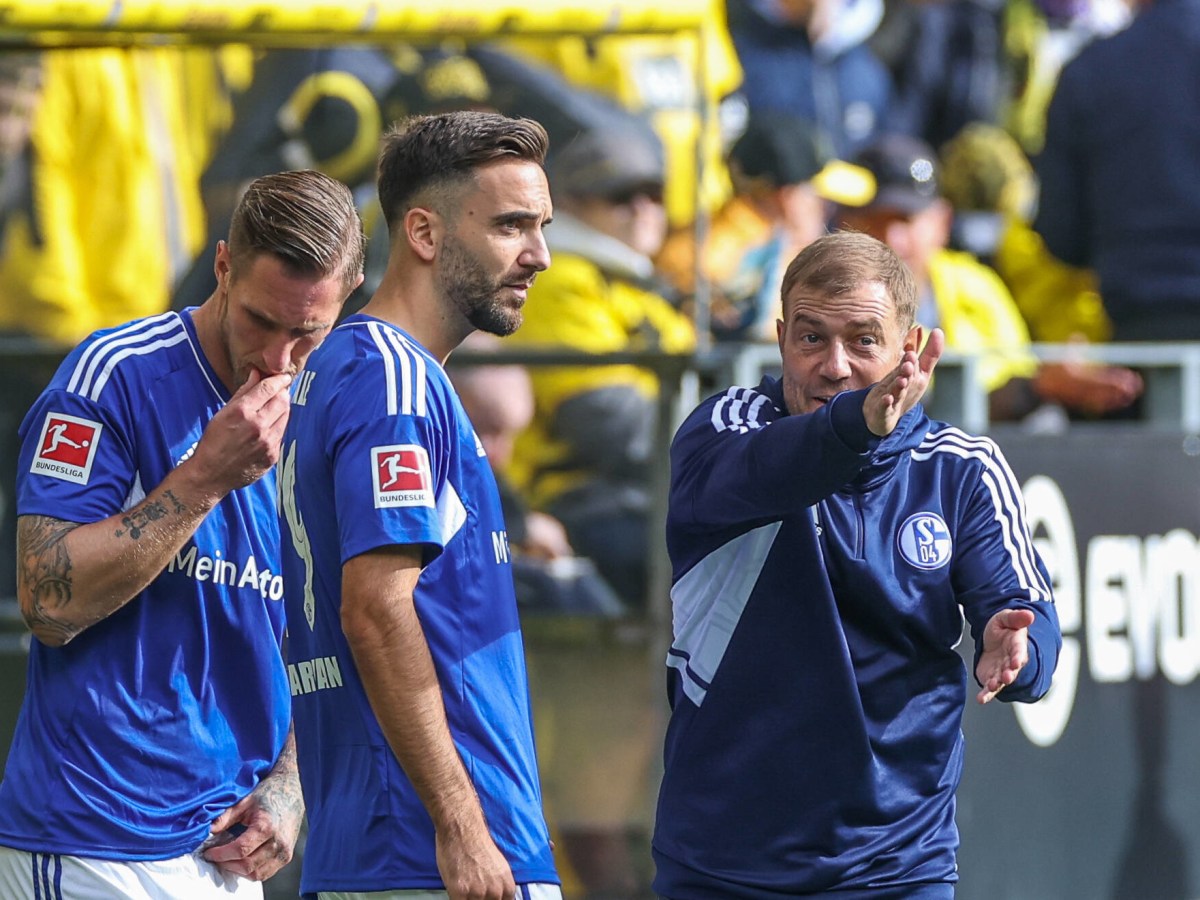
(67, 448)
(401, 476)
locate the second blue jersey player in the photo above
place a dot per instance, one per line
(405, 653)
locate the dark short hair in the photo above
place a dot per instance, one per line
(843, 261)
(438, 151)
(304, 218)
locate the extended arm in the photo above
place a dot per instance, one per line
(1002, 584)
(390, 650)
(71, 576)
(728, 467)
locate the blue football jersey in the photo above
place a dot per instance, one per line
(378, 452)
(135, 735)
(821, 577)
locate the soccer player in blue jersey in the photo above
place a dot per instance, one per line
(153, 756)
(826, 539)
(408, 674)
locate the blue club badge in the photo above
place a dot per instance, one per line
(924, 540)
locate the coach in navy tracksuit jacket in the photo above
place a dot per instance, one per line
(826, 538)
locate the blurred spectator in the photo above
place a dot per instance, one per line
(990, 183)
(20, 89)
(655, 76)
(1120, 172)
(965, 298)
(810, 59)
(784, 176)
(118, 139)
(953, 69)
(498, 400)
(586, 457)
(1042, 36)
(20, 86)
(587, 460)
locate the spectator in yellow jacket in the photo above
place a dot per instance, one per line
(103, 213)
(586, 459)
(990, 183)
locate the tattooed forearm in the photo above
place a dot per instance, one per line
(45, 572)
(279, 795)
(170, 495)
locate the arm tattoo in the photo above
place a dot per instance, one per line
(141, 516)
(280, 796)
(46, 570)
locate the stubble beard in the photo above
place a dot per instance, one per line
(475, 295)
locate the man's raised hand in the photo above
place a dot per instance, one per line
(900, 390)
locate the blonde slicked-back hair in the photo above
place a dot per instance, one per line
(304, 218)
(842, 261)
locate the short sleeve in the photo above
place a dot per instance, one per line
(387, 475)
(76, 463)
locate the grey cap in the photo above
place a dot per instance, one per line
(905, 170)
(607, 162)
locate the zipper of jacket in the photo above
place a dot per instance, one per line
(860, 531)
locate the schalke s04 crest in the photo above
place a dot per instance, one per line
(924, 540)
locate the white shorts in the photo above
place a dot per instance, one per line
(524, 892)
(50, 876)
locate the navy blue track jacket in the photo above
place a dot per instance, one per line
(820, 580)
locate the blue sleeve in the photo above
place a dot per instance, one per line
(723, 475)
(388, 473)
(997, 567)
(76, 462)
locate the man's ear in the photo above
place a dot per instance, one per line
(915, 339)
(222, 264)
(423, 229)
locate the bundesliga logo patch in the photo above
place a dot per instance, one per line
(67, 448)
(401, 476)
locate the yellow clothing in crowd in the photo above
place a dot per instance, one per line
(119, 140)
(575, 305)
(978, 315)
(743, 259)
(1059, 302)
(737, 227)
(656, 75)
